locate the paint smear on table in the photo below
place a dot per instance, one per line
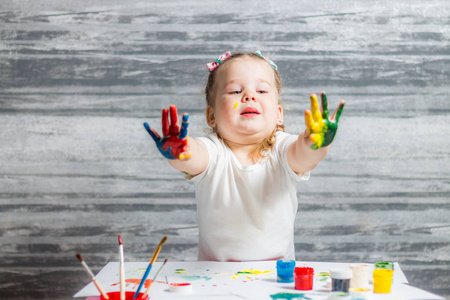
(134, 282)
(323, 275)
(248, 272)
(289, 296)
(189, 277)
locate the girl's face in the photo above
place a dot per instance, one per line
(246, 106)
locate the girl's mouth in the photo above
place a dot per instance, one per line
(250, 112)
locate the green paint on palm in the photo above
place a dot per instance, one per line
(320, 126)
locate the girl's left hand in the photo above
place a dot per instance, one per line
(321, 128)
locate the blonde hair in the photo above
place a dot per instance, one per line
(262, 148)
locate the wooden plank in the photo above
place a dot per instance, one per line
(77, 168)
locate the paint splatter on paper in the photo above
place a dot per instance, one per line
(289, 296)
(324, 276)
(134, 283)
(248, 272)
(190, 277)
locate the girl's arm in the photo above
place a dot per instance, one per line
(184, 153)
(312, 145)
(196, 158)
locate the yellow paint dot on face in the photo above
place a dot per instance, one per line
(235, 105)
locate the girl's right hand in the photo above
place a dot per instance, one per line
(321, 128)
(173, 144)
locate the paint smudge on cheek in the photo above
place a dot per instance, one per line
(236, 105)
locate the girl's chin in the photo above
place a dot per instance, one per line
(246, 136)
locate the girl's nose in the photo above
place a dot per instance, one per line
(249, 97)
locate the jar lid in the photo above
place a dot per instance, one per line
(341, 273)
(384, 265)
(285, 263)
(304, 271)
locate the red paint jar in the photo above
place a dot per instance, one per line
(128, 296)
(304, 277)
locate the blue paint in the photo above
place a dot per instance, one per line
(285, 270)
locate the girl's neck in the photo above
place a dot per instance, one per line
(243, 152)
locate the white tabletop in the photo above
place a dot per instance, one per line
(233, 280)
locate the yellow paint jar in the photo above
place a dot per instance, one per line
(382, 281)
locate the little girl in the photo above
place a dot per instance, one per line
(246, 170)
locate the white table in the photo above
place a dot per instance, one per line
(223, 280)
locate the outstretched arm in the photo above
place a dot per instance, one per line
(184, 153)
(313, 144)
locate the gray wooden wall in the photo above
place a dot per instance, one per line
(78, 79)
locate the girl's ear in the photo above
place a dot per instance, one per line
(210, 116)
(280, 115)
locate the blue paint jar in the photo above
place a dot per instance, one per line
(285, 270)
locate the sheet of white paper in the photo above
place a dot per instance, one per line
(232, 280)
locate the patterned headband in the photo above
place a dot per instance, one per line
(211, 66)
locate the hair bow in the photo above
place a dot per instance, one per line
(211, 66)
(267, 59)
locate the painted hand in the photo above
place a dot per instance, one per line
(173, 144)
(321, 128)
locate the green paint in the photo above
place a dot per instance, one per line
(179, 271)
(195, 277)
(289, 296)
(384, 265)
(324, 276)
(320, 125)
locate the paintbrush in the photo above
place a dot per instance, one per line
(88, 270)
(155, 255)
(154, 278)
(121, 270)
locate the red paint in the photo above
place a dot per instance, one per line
(128, 296)
(304, 278)
(180, 284)
(134, 283)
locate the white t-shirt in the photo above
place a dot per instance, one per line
(246, 213)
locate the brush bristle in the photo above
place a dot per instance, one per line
(163, 240)
(120, 240)
(80, 258)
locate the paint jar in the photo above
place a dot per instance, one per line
(382, 281)
(128, 296)
(304, 278)
(180, 287)
(361, 276)
(340, 280)
(384, 265)
(285, 270)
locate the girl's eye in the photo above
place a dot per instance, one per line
(236, 92)
(262, 92)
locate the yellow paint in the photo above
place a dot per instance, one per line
(247, 272)
(359, 290)
(382, 281)
(183, 156)
(236, 105)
